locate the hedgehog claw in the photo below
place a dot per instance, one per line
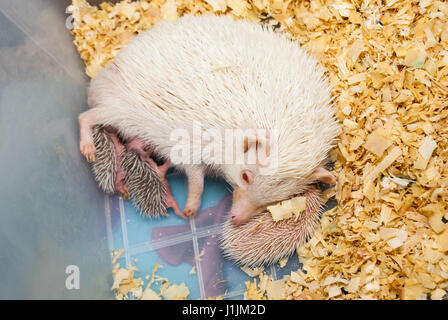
(123, 191)
(88, 151)
(121, 187)
(170, 201)
(125, 196)
(191, 210)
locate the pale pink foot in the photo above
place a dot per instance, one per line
(120, 182)
(191, 208)
(86, 121)
(170, 201)
(88, 150)
(195, 176)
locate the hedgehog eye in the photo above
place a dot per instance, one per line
(247, 177)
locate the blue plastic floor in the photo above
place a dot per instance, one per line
(174, 243)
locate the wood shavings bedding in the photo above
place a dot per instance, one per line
(126, 287)
(388, 64)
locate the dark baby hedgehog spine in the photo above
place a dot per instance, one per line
(104, 167)
(141, 181)
(147, 191)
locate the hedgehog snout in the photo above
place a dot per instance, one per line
(235, 219)
(243, 207)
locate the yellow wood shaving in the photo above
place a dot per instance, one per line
(287, 208)
(117, 256)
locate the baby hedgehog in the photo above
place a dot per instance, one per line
(262, 241)
(105, 165)
(146, 181)
(130, 171)
(144, 185)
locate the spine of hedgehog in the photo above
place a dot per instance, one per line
(145, 187)
(262, 241)
(104, 167)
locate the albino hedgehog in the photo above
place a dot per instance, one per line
(223, 74)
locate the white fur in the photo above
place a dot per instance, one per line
(225, 74)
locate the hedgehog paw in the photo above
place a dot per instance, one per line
(122, 188)
(124, 193)
(172, 203)
(191, 209)
(120, 183)
(88, 150)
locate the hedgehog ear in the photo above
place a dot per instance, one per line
(323, 175)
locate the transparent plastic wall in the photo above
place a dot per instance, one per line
(52, 213)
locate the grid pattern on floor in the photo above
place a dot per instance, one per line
(179, 244)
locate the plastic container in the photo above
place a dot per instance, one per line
(53, 215)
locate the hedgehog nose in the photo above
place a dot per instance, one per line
(233, 217)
